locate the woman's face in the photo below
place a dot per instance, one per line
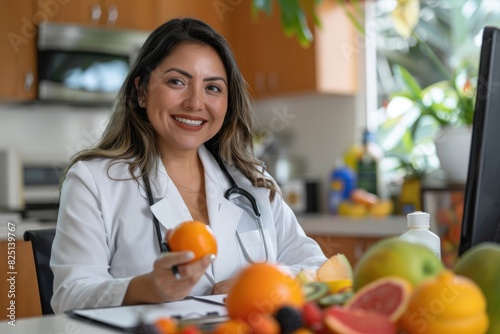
(187, 97)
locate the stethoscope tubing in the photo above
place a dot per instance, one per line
(234, 189)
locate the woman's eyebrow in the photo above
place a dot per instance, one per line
(190, 76)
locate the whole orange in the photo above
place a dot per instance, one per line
(262, 288)
(193, 236)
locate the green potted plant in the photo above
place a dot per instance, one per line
(419, 121)
(417, 117)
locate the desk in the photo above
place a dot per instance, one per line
(53, 324)
(335, 234)
(199, 310)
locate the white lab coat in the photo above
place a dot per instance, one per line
(105, 232)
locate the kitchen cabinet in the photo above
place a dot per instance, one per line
(274, 64)
(352, 247)
(208, 11)
(130, 14)
(17, 50)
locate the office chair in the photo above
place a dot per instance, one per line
(41, 242)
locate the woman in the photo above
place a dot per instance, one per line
(182, 116)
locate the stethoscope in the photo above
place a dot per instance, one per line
(233, 189)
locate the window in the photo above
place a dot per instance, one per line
(444, 44)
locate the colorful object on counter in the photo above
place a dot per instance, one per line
(409, 199)
(446, 304)
(368, 164)
(342, 183)
(448, 218)
(363, 203)
(351, 157)
(418, 231)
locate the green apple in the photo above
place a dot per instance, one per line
(396, 257)
(481, 264)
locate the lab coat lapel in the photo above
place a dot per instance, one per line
(166, 198)
(224, 218)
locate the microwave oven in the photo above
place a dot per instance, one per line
(84, 64)
(28, 187)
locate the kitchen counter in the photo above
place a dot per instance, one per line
(315, 224)
(322, 224)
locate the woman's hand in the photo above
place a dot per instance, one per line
(161, 285)
(222, 287)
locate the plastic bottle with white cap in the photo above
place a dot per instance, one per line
(419, 232)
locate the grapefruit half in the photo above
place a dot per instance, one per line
(350, 321)
(388, 296)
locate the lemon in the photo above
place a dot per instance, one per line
(339, 285)
(447, 304)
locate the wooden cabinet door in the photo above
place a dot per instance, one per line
(17, 51)
(130, 14)
(78, 12)
(207, 11)
(282, 66)
(274, 64)
(352, 247)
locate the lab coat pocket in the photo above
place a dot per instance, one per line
(253, 248)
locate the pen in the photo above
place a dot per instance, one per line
(175, 270)
(208, 301)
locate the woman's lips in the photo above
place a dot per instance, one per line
(188, 123)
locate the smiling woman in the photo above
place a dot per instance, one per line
(186, 102)
(178, 147)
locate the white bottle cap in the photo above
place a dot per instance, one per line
(418, 219)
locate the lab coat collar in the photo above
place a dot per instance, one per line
(159, 181)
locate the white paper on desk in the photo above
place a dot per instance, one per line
(129, 316)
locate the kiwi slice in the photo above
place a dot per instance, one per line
(335, 299)
(315, 290)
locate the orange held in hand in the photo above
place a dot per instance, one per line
(193, 236)
(262, 288)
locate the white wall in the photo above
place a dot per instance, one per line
(322, 128)
(44, 133)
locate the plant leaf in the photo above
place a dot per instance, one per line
(409, 82)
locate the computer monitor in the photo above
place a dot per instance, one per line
(481, 217)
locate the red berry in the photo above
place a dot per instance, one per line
(191, 329)
(312, 315)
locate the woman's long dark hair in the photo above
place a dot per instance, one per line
(129, 134)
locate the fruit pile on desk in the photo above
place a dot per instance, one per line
(397, 287)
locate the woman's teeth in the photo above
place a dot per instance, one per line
(188, 121)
